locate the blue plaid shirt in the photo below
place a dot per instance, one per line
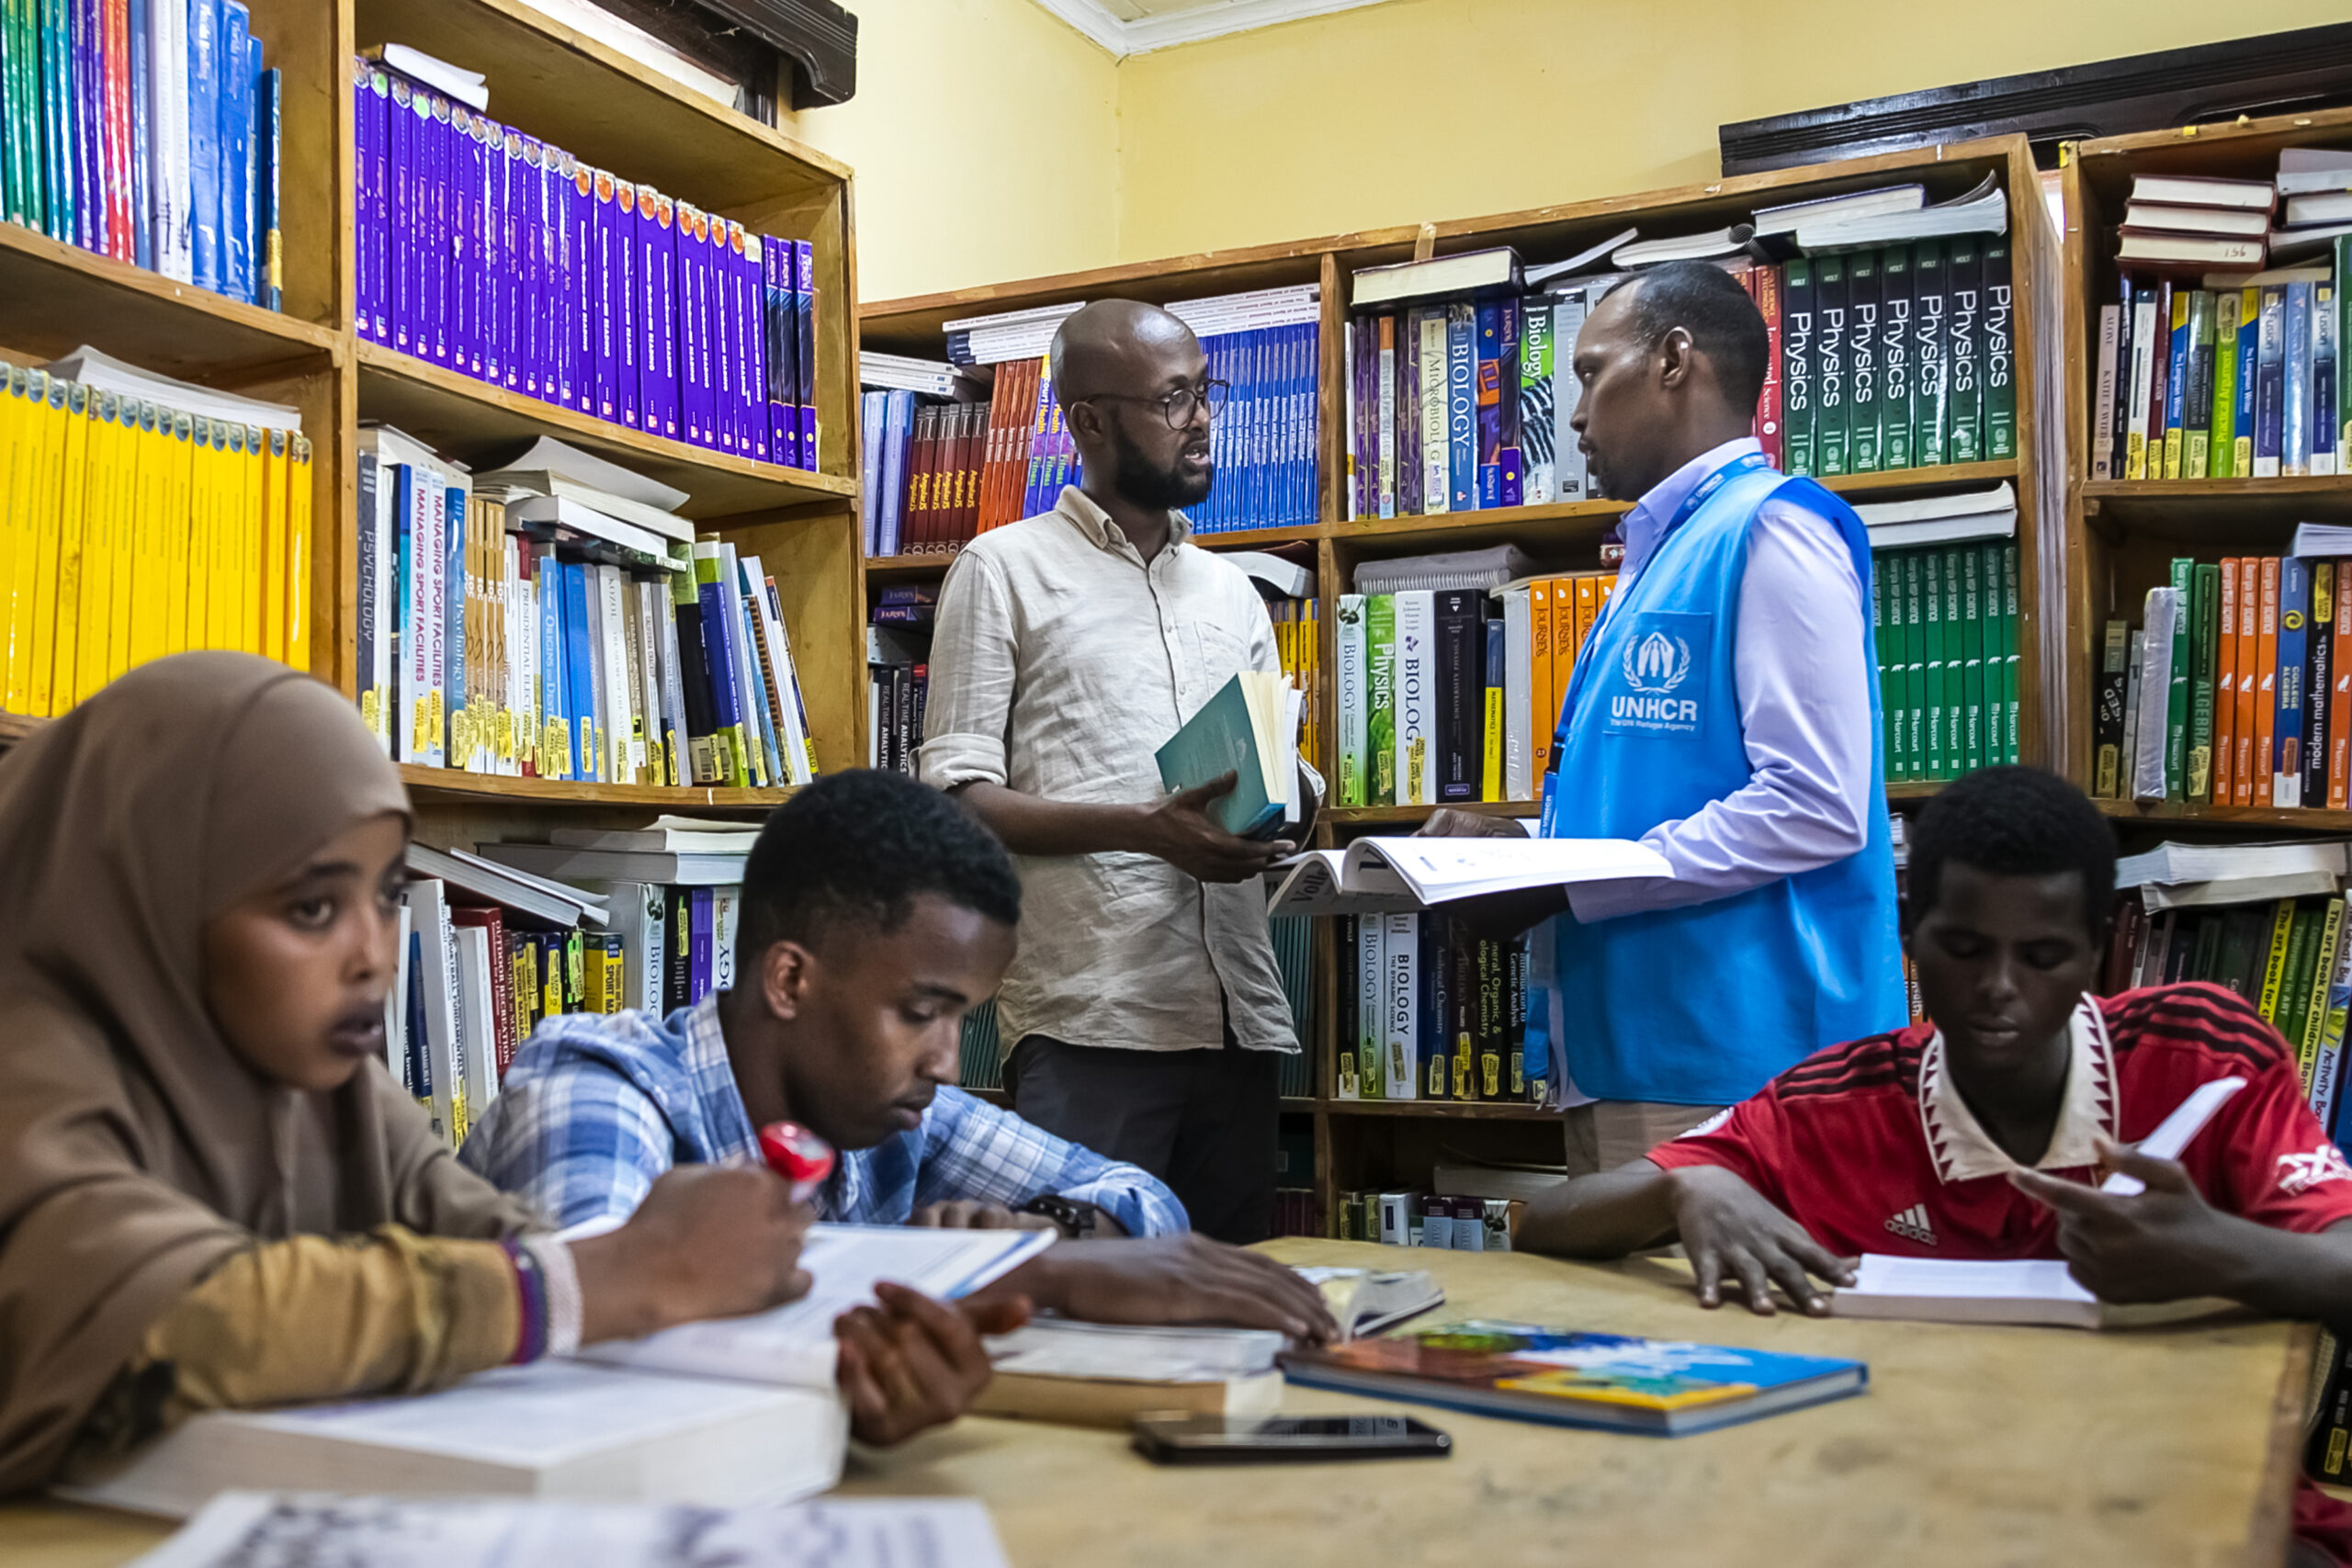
(596, 1106)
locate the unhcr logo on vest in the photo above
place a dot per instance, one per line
(1654, 667)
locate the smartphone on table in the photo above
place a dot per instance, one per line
(1255, 1439)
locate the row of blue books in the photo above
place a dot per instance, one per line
(496, 255)
(146, 131)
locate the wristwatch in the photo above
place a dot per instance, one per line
(1076, 1220)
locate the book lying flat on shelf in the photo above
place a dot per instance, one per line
(665, 835)
(1385, 876)
(734, 1410)
(2177, 862)
(553, 902)
(1613, 1382)
(1943, 519)
(566, 863)
(1786, 218)
(244, 1529)
(1725, 241)
(1249, 729)
(1981, 210)
(1472, 272)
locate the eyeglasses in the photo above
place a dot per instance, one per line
(1179, 406)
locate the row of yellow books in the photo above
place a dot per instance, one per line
(130, 530)
(1298, 643)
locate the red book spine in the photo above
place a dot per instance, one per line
(116, 35)
(1764, 283)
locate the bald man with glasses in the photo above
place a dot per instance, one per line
(1144, 1009)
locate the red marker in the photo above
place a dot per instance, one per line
(798, 1156)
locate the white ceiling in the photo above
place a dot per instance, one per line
(1136, 26)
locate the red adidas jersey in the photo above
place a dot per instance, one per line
(1840, 1141)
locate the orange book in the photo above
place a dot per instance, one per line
(2242, 728)
(2226, 686)
(1587, 607)
(1569, 626)
(1542, 702)
(2266, 690)
(2339, 700)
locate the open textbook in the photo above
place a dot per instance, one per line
(1380, 875)
(735, 1410)
(259, 1530)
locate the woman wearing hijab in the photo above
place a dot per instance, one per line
(212, 1192)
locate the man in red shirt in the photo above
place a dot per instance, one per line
(1983, 1132)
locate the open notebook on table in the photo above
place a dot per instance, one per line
(735, 1410)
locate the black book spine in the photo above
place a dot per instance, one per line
(1343, 1029)
(1864, 452)
(693, 679)
(1430, 1046)
(2119, 439)
(1461, 693)
(371, 700)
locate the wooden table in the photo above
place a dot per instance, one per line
(2014, 1447)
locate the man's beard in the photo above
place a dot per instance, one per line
(1162, 488)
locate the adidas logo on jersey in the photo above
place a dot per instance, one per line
(1912, 1224)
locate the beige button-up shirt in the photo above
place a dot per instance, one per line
(1060, 663)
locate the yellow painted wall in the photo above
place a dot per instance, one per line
(985, 134)
(992, 142)
(1418, 109)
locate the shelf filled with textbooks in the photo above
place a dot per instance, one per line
(2206, 401)
(313, 357)
(1969, 491)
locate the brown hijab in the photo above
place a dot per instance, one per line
(137, 1150)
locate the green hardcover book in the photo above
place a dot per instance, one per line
(2242, 929)
(2343, 350)
(57, 116)
(1886, 646)
(1796, 366)
(2196, 397)
(1380, 697)
(1862, 372)
(2205, 963)
(1915, 667)
(2184, 579)
(12, 123)
(2221, 449)
(2204, 617)
(1955, 668)
(1897, 356)
(1969, 562)
(2011, 635)
(2295, 977)
(1932, 594)
(1964, 372)
(1930, 390)
(1831, 367)
(1238, 731)
(2001, 352)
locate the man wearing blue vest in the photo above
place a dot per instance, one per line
(1724, 712)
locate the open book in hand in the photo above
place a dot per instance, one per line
(1378, 876)
(735, 1410)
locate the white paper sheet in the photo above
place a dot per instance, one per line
(255, 1529)
(1952, 1278)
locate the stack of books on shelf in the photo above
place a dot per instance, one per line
(551, 619)
(2235, 689)
(148, 133)
(2211, 364)
(898, 674)
(943, 473)
(2265, 921)
(488, 949)
(143, 517)
(1451, 695)
(1892, 348)
(483, 250)
(1945, 622)
(1429, 1010)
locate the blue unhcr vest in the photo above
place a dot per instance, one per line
(1701, 1005)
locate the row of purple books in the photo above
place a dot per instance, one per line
(496, 255)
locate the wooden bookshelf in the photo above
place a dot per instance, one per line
(1365, 1143)
(573, 92)
(2121, 535)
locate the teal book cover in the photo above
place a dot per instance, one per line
(1222, 739)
